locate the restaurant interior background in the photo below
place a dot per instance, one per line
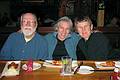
(100, 11)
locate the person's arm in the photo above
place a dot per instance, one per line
(45, 47)
(6, 50)
(79, 51)
(44, 50)
(102, 48)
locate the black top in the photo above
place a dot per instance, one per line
(60, 50)
(95, 48)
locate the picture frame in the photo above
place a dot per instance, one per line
(40, 1)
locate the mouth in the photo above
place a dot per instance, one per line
(63, 36)
(27, 28)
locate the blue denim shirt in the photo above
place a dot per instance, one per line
(70, 44)
(16, 48)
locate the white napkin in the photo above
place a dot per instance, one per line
(11, 71)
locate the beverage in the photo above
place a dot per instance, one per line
(66, 65)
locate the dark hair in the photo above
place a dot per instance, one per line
(82, 19)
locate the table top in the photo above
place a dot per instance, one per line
(49, 73)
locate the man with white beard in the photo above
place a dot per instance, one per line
(26, 44)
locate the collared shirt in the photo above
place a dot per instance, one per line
(16, 48)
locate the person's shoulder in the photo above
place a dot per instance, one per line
(100, 35)
(74, 34)
(51, 34)
(14, 34)
(38, 35)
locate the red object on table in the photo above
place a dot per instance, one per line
(30, 66)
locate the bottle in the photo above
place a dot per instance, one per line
(30, 65)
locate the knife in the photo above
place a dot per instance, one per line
(78, 68)
(102, 70)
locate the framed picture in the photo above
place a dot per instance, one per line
(70, 7)
(41, 1)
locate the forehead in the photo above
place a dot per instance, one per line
(28, 16)
(83, 23)
(63, 23)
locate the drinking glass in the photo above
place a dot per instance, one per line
(66, 65)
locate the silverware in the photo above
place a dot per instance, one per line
(102, 70)
(75, 71)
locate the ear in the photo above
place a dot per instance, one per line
(36, 24)
(75, 27)
(56, 28)
(91, 26)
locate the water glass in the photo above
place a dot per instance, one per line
(66, 65)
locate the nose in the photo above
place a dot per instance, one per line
(64, 31)
(83, 28)
(28, 23)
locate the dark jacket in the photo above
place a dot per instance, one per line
(95, 48)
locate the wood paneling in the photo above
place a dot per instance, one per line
(113, 33)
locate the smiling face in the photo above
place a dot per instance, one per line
(84, 29)
(28, 24)
(63, 30)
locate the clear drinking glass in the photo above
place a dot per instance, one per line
(66, 65)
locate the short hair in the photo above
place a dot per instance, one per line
(83, 19)
(66, 19)
(35, 17)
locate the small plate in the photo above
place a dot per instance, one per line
(117, 64)
(35, 66)
(85, 70)
(98, 65)
(49, 63)
(11, 72)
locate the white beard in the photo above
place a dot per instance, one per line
(29, 31)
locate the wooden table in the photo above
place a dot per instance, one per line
(47, 73)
